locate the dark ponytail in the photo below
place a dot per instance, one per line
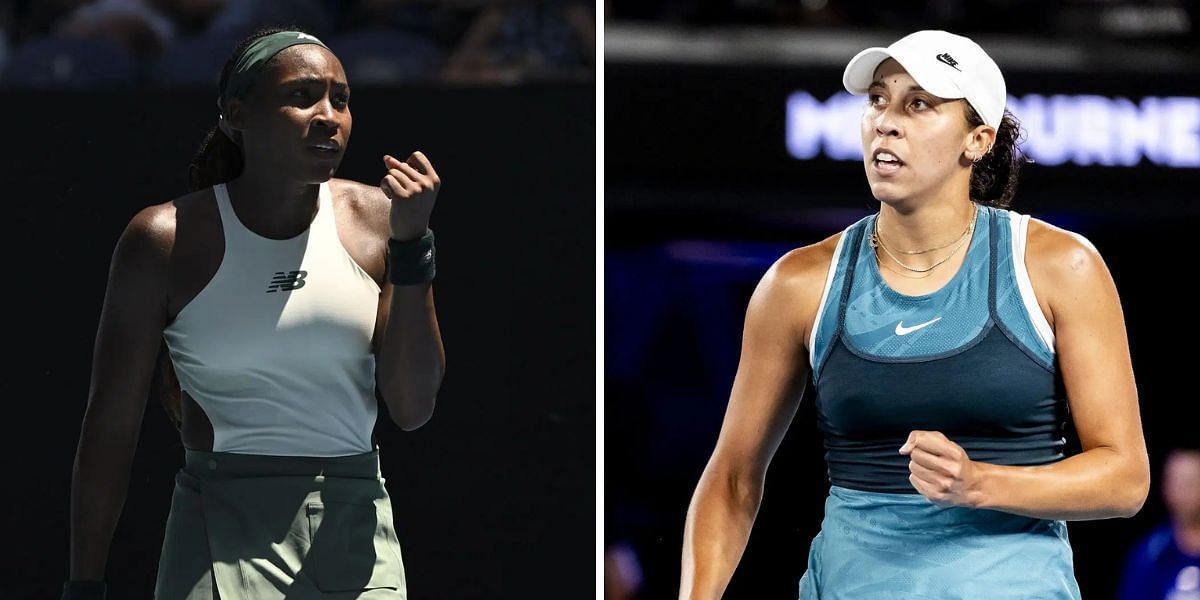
(994, 177)
(217, 160)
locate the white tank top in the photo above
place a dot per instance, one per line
(277, 347)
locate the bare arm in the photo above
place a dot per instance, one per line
(1111, 477)
(766, 392)
(410, 359)
(127, 343)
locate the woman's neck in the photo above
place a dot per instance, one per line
(924, 227)
(272, 207)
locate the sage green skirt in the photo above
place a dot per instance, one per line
(247, 526)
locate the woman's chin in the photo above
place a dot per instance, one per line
(887, 192)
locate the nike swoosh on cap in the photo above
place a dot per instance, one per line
(902, 330)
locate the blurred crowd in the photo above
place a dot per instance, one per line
(79, 43)
(1163, 20)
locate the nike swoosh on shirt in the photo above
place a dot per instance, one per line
(902, 330)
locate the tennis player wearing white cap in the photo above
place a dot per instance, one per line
(948, 339)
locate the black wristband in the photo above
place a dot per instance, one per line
(84, 590)
(412, 262)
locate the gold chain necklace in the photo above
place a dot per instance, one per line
(877, 241)
(900, 273)
(875, 236)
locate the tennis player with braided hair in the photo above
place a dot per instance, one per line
(948, 340)
(291, 303)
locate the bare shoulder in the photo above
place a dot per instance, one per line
(1059, 256)
(1066, 270)
(366, 203)
(358, 191)
(149, 237)
(802, 268)
(792, 286)
(151, 243)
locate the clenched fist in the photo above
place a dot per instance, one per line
(412, 186)
(941, 470)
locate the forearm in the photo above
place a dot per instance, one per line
(411, 360)
(716, 533)
(99, 483)
(1100, 483)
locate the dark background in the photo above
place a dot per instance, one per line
(701, 197)
(494, 497)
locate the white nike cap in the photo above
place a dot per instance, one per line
(944, 64)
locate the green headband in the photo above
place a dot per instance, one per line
(256, 55)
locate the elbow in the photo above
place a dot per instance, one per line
(412, 422)
(739, 485)
(1137, 486)
(1131, 507)
(1133, 510)
(1139, 499)
(413, 410)
(410, 403)
(747, 492)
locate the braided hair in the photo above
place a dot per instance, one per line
(219, 158)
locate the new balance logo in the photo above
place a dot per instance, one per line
(946, 58)
(287, 281)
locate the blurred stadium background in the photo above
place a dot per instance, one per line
(77, 43)
(109, 99)
(729, 141)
